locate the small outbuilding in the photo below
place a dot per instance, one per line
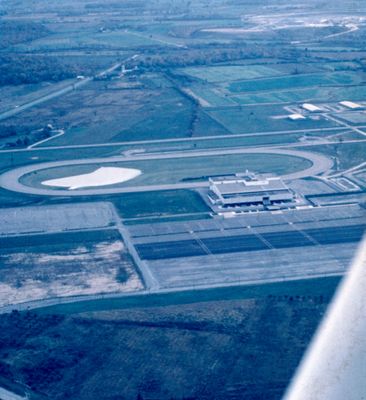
(311, 107)
(351, 105)
(296, 117)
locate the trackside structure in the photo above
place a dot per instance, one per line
(248, 190)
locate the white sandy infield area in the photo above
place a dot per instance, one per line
(101, 177)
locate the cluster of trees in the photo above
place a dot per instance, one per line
(16, 70)
(7, 131)
(202, 56)
(14, 32)
(22, 136)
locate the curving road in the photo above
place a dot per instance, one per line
(10, 180)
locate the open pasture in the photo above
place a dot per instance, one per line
(230, 73)
(324, 94)
(295, 81)
(159, 204)
(86, 40)
(102, 112)
(252, 119)
(355, 118)
(211, 96)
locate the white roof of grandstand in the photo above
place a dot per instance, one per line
(241, 187)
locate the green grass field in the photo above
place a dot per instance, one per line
(295, 81)
(231, 73)
(261, 119)
(158, 204)
(82, 39)
(213, 96)
(301, 95)
(168, 171)
(348, 155)
(170, 117)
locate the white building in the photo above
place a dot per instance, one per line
(311, 107)
(247, 190)
(296, 117)
(351, 105)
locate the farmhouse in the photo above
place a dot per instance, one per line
(247, 190)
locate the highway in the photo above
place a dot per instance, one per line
(10, 180)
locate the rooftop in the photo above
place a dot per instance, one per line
(243, 186)
(311, 107)
(296, 117)
(351, 105)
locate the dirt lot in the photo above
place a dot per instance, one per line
(58, 265)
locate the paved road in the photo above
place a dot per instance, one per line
(149, 279)
(345, 124)
(10, 180)
(250, 242)
(182, 140)
(61, 132)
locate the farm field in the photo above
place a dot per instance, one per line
(231, 73)
(322, 94)
(295, 81)
(211, 96)
(87, 40)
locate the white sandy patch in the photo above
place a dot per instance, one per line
(101, 177)
(79, 271)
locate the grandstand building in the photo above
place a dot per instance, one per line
(249, 190)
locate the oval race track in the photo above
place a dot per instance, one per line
(10, 180)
